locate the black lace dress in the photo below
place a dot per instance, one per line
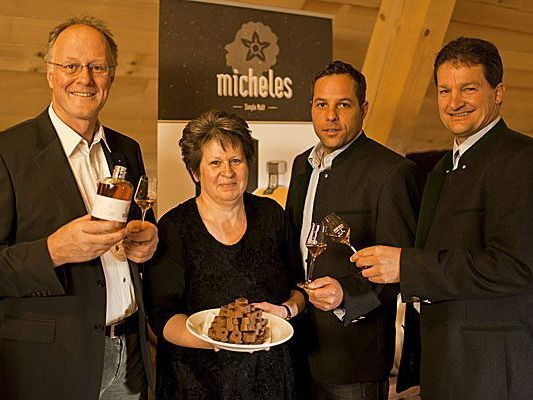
(192, 271)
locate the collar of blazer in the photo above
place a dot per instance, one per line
(301, 174)
(306, 169)
(481, 148)
(485, 145)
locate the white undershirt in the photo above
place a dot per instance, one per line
(89, 166)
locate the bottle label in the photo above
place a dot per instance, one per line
(110, 209)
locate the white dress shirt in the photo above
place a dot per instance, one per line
(89, 166)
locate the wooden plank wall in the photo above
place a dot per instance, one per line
(132, 107)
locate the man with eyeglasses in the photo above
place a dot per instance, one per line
(72, 322)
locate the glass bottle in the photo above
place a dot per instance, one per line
(113, 197)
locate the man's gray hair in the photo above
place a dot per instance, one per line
(94, 22)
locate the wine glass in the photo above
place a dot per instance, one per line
(146, 193)
(337, 230)
(316, 244)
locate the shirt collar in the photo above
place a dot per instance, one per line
(317, 159)
(471, 140)
(69, 138)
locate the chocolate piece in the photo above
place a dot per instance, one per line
(239, 322)
(249, 338)
(235, 337)
(241, 301)
(224, 312)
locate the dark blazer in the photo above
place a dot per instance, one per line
(375, 191)
(475, 264)
(51, 319)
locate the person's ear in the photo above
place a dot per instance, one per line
(49, 76)
(499, 91)
(364, 109)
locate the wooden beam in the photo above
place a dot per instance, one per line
(398, 65)
(363, 3)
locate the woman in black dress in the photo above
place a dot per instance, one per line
(214, 248)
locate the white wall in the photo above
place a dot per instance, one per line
(277, 141)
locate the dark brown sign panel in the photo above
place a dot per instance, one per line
(256, 63)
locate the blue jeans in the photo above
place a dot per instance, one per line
(357, 391)
(123, 377)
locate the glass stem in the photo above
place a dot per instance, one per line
(353, 248)
(310, 270)
(143, 215)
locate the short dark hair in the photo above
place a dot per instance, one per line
(341, 68)
(472, 51)
(99, 24)
(227, 128)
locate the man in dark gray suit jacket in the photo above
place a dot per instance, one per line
(72, 323)
(350, 336)
(472, 267)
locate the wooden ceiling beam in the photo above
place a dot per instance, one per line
(362, 3)
(398, 65)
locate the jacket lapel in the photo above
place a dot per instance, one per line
(112, 150)
(301, 182)
(52, 163)
(430, 199)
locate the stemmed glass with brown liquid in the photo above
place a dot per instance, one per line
(146, 193)
(316, 244)
(337, 230)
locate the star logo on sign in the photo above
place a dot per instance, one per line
(255, 47)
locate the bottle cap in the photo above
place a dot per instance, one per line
(119, 172)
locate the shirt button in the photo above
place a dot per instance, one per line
(100, 282)
(99, 328)
(326, 176)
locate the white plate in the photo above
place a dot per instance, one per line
(280, 331)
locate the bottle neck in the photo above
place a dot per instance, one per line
(119, 172)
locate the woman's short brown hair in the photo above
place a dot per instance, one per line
(227, 128)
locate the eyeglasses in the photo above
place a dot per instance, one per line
(75, 69)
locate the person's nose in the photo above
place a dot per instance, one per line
(456, 100)
(228, 170)
(85, 76)
(331, 114)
